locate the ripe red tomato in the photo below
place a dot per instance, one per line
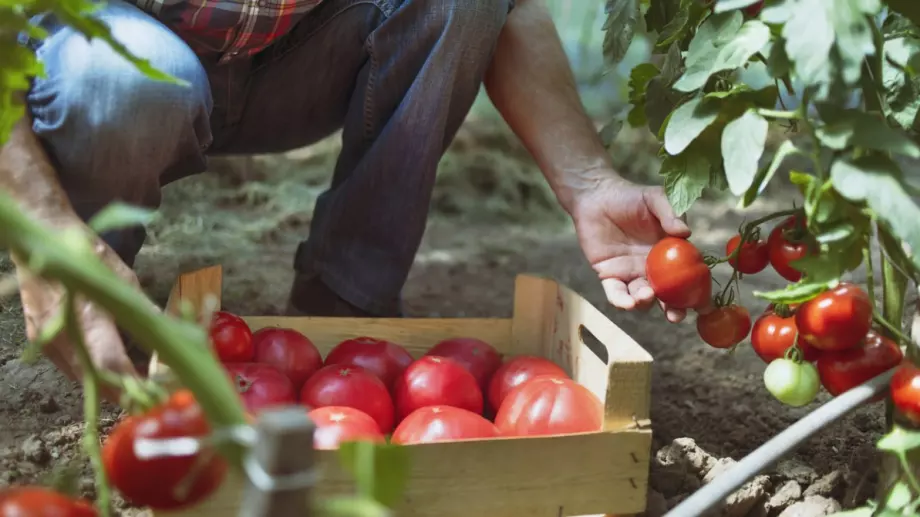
(837, 319)
(350, 386)
(905, 391)
(782, 250)
(773, 334)
(436, 381)
(846, 369)
(753, 257)
(178, 481)
(384, 359)
(36, 501)
(339, 424)
(288, 351)
(517, 371)
(550, 405)
(432, 424)
(754, 9)
(678, 275)
(724, 327)
(261, 386)
(477, 356)
(231, 338)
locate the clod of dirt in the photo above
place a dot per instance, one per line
(831, 485)
(48, 405)
(685, 452)
(721, 466)
(796, 471)
(656, 504)
(740, 502)
(814, 506)
(787, 494)
(34, 450)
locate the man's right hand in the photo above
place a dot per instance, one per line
(41, 301)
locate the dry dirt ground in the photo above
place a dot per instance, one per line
(492, 219)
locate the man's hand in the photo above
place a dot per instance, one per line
(618, 222)
(41, 301)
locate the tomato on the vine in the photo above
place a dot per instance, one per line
(753, 257)
(292, 353)
(677, 273)
(169, 482)
(905, 391)
(550, 405)
(231, 338)
(37, 501)
(432, 424)
(724, 327)
(338, 424)
(436, 381)
(774, 334)
(350, 386)
(843, 370)
(261, 386)
(837, 319)
(384, 359)
(478, 357)
(754, 9)
(517, 371)
(792, 382)
(785, 248)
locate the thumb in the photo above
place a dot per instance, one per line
(658, 203)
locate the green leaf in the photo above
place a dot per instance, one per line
(686, 176)
(351, 506)
(809, 36)
(907, 8)
(675, 29)
(786, 149)
(900, 441)
(749, 40)
(838, 232)
(713, 34)
(688, 122)
(380, 471)
(660, 12)
(118, 216)
(620, 27)
(876, 180)
(794, 293)
(899, 496)
(639, 78)
(743, 140)
(861, 129)
(901, 87)
(730, 5)
(854, 35)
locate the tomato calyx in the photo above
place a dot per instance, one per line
(242, 383)
(783, 310)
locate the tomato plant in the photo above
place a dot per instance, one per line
(794, 383)
(436, 381)
(289, 351)
(836, 319)
(338, 424)
(261, 386)
(384, 359)
(774, 334)
(845, 369)
(231, 338)
(752, 258)
(350, 386)
(786, 246)
(478, 357)
(548, 405)
(432, 424)
(181, 480)
(678, 275)
(34, 501)
(517, 371)
(724, 327)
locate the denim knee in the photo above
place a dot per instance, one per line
(110, 129)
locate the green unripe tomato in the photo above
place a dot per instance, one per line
(794, 384)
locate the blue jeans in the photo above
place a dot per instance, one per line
(397, 76)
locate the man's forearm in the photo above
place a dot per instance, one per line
(28, 176)
(531, 84)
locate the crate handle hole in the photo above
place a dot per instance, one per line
(595, 345)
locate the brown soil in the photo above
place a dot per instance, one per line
(466, 268)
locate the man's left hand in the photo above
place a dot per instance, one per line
(618, 222)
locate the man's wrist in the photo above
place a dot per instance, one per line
(571, 187)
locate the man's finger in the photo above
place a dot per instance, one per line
(642, 293)
(617, 294)
(658, 203)
(624, 268)
(672, 315)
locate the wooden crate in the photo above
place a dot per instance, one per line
(604, 472)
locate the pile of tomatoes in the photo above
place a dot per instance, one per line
(827, 340)
(365, 389)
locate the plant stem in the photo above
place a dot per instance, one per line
(91, 409)
(893, 331)
(779, 114)
(870, 274)
(181, 345)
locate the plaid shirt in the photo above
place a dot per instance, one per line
(228, 28)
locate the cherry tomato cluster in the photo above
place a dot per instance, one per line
(826, 341)
(364, 390)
